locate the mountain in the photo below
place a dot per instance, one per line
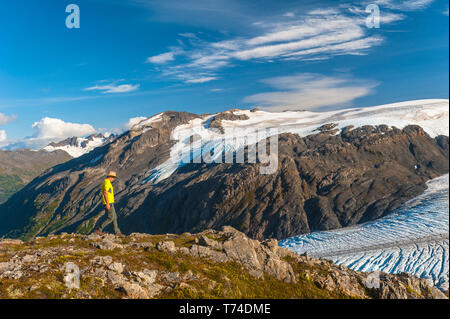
(77, 146)
(211, 264)
(335, 169)
(18, 168)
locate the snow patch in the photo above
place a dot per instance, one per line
(78, 150)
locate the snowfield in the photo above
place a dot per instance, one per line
(431, 115)
(78, 150)
(413, 239)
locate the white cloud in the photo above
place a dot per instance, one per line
(281, 50)
(55, 128)
(389, 17)
(161, 58)
(188, 35)
(317, 35)
(4, 119)
(133, 121)
(2, 136)
(404, 5)
(110, 88)
(289, 14)
(49, 130)
(201, 79)
(310, 91)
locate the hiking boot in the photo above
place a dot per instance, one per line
(120, 235)
(98, 232)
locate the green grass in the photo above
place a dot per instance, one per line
(9, 184)
(212, 280)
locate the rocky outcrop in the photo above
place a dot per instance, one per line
(210, 264)
(216, 121)
(258, 258)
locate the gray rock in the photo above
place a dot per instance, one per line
(6, 266)
(10, 242)
(168, 246)
(145, 245)
(116, 266)
(106, 244)
(102, 261)
(205, 241)
(133, 290)
(29, 258)
(146, 276)
(206, 252)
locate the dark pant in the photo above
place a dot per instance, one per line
(112, 218)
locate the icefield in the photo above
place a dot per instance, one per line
(413, 239)
(431, 115)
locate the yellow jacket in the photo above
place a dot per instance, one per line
(107, 186)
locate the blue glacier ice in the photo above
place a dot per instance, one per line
(413, 239)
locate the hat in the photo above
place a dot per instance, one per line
(112, 174)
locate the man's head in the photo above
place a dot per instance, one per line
(111, 176)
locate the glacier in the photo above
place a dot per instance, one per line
(431, 115)
(413, 239)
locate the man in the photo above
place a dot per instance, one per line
(108, 203)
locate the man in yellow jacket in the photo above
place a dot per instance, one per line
(108, 203)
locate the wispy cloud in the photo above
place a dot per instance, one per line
(111, 88)
(310, 91)
(404, 5)
(4, 119)
(161, 58)
(317, 35)
(289, 14)
(201, 79)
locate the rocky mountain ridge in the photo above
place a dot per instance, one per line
(326, 180)
(78, 146)
(211, 264)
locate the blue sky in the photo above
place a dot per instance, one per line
(135, 58)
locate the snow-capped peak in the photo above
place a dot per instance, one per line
(431, 115)
(78, 146)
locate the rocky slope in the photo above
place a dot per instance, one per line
(211, 264)
(18, 168)
(329, 179)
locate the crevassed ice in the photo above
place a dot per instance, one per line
(413, 239)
